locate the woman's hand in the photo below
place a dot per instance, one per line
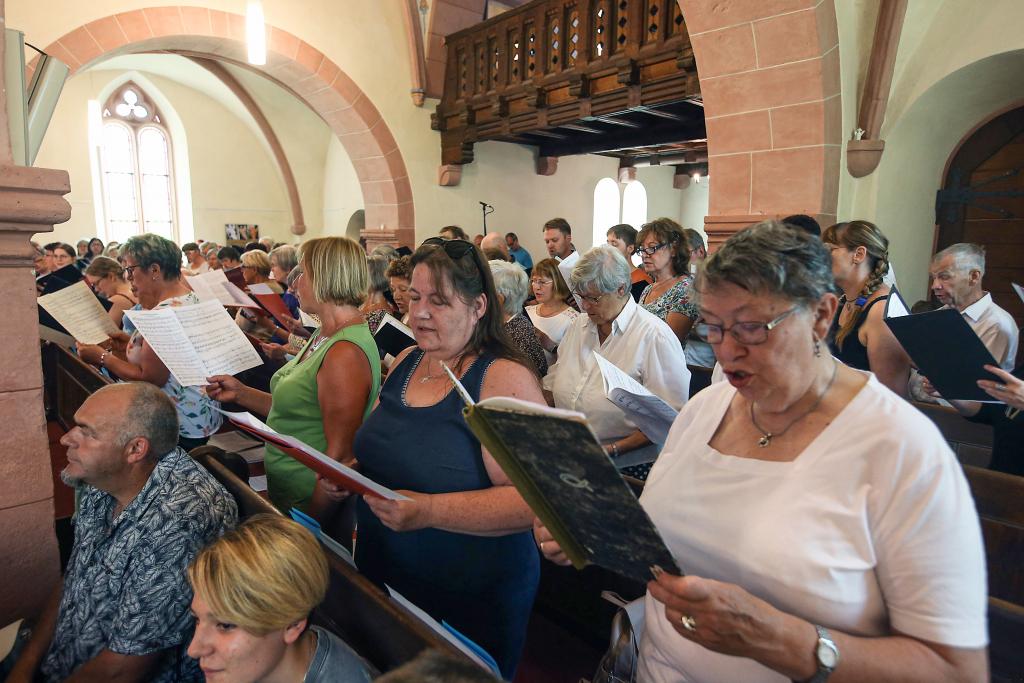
(1007, 389)
(273, 351)
(331, 491)
(90, 353)
(119, 343)
(726, 618)
(549, 547)
(403, 515)
(224, 388)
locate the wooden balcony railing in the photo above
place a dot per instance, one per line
(553, 63)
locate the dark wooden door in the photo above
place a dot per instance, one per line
(982, 201)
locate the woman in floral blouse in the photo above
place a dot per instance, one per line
(662, 243)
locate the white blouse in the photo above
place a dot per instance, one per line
(554, 326)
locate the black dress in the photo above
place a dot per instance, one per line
(1007, 434)
(853, 353)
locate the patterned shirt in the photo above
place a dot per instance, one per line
(675, 300)
(521, 330)
(125, 589)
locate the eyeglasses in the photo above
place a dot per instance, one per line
(540, 281)
(590, 300)
(747, 333)
(128, 275)
(650, 251)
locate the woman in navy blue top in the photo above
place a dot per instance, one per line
(461, 547)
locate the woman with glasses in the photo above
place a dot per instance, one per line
(823, 523)
(323, 394)
(256, 271)
(629, 337)
(623, 238)
(152, 266)
(551, 315)
(666, 255)
(460, 547)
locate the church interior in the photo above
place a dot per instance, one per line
(227, 122)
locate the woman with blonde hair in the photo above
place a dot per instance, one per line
(106, 276)
(304, 399)
(256, 271)
(859, 336)
(254, 589)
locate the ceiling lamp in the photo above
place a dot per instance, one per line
(255, 33)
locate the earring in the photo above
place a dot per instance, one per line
(817, 348)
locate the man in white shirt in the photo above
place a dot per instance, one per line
(956, 274)
(634, 340)
(196, 262)
(558, 238)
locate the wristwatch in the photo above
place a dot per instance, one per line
(827, 655)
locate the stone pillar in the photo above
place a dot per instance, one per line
(31, 200)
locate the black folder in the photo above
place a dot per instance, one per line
(391, 339)
(944, 348)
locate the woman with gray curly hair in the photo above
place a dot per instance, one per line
(152, 265)
(631, 338)
(512, 286)
(824, 525)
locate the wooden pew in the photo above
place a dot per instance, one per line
(355, 609)
(67, 382)
(971, 441)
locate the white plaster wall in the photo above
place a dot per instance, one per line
(341, 194)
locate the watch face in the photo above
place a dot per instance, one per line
(827, 656)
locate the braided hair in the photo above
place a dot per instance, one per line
(860, 234)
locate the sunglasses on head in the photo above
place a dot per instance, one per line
(454, 248)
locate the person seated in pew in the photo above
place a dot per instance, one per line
(623, 238)
(145, 508)
(666, 258)
(106, 276)
(822, 521)
(254, 589)
(859, 336)
(628, 336)
(323, 394)
(512, 286)
(152, 265)
(1007, 423)
(430, 666)
(460, 547)
(551, 315)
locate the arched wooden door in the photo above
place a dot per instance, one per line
(982, 201)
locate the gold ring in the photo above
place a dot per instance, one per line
(542, 547)
(688, 622)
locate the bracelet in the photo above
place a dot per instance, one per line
(103, 357)
(615, 449)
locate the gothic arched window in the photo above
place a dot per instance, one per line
(135, 167)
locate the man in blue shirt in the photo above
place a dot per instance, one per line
(521, 256)
(145, 509)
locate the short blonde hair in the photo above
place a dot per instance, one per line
(258, 261)
(336, 268)
(263, 576)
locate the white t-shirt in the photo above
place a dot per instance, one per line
(554, 327)
(872, 528)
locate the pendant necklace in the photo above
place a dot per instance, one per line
(426, 378)
(767, 436)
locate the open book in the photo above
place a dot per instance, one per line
(392, 336)
(343, 476)
(79, 312)
(213, 285)
(559, 467)
(195, 342)
(943, 347)
(649, 412)
(271, 302)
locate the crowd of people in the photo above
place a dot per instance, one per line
(822, 521)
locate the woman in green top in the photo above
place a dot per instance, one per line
(323, 394)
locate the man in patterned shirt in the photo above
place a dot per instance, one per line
(145, 509)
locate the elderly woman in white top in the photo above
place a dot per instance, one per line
(634, 340)
(825, 526)
(512, 286)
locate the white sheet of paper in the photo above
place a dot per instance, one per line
(195, 342)
(258, 483)
(261, 288)
(894, 306)
(389, 319)
(308, 320)
(214, 285)
(255, 423)
(1020, 290)
(651, 414)
(79, 312)
(565, 267)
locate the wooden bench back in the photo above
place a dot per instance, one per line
(68, 381)
(971, 441)
(999, 497)
(355, 609)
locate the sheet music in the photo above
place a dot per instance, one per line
(651, 414)
(213, 285)
(895, 306)
(308, 320)
(565, 267)
(220, 344)
(165, 335)
(1020, 290)
(79, 312)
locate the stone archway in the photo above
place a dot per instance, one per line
(294, 65)
(769, 76)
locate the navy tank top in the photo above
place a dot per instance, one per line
(853, 353)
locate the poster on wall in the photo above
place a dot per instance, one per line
(241, 232)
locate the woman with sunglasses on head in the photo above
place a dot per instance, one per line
(551, 315)
(152, 266)
(460, 547)
(666, 254)
(825, 527)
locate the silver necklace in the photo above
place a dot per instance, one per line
(454, 364)
(767, 436)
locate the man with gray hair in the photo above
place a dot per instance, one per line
(145, 509)
(636, 341)
(956, 273)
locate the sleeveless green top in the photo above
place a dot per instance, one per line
(296, 411)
